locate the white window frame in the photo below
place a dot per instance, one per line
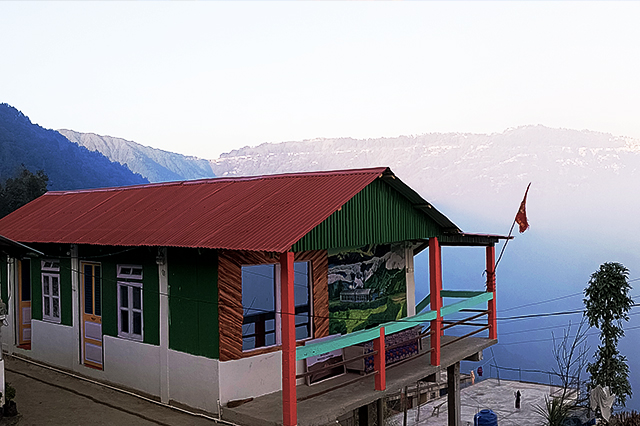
(129, 276)
(130, 284)
(50, 271)
(52, 265)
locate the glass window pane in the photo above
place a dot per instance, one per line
(259, 305)
(137, 272)
(258, 289)
(54, 286)
(136, 297)
(124, 321)
(56, 307)
(47, 306)
(270, 339)
(248, 343)
(137, 323)
(270, 325)
(302, 332)
(124, 296)
(45, 285)
(302, 299)
(301, 283)
(248, 329)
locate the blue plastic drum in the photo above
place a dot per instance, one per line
(485, 418)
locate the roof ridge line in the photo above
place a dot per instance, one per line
(217, 179)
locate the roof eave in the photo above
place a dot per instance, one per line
(420, 203)
(14, 248)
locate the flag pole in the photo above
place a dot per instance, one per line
(521, 219)
(505, 245)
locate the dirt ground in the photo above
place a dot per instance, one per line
(46, 397)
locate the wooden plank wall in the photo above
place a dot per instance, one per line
(230, 296)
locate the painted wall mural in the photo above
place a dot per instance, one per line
(367, 287)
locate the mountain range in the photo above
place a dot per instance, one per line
(470, 173)
(154, 164)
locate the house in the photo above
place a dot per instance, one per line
(217, 290)
(356, 295)
(13, 249)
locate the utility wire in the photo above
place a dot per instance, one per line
(541, 302)
(406, 319)
(549, 340)
(551, 327)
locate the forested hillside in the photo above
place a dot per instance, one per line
(67, 165)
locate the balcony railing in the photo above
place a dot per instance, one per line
(470, 299)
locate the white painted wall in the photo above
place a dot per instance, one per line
(53, 344)
(193, 380)
(254, 376)
(132, 364)
(128, 363)
(163, 282)
(250, 377)
(9, 332)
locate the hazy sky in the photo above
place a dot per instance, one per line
(202, 78)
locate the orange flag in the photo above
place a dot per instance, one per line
(521, 217)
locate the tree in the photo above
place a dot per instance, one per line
(18, 191)
(570, 353)
(607, 304)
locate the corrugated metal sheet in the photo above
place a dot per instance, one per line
(267, 213)
(467, 240)
(420, 203)
(378, 214)
(264, 213)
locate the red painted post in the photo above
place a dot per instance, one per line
(379, 361)
(435, 280)
(491, 286)
(289, 397)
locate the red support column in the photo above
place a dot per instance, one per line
(435, 279)
(379, 361)
(289, 398)
(491, 286)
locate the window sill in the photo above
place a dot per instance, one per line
(132, 339)
(268, 349)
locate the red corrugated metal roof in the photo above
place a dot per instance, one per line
(265, 213)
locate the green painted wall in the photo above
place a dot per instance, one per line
(376, 215)
(66, 293)
(109, 258)
(36, 291)
(52, 251)
(193, 301)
